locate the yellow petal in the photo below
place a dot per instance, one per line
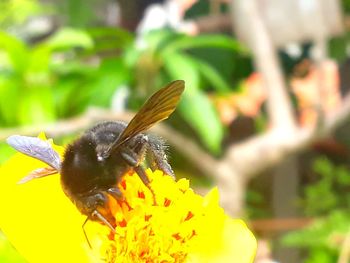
(38, 219)
(223, 239)
(237, 245)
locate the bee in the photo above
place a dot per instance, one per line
(94, 164)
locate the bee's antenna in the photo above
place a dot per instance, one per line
(86, 237)
(103, 220)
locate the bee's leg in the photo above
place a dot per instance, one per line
(144, 178)
(140, 171)
(157, 149)
(98, 215)
(134, 161)
(134, 154)
(115, 193)
(134, 158)
(142, 174)
(90, 203)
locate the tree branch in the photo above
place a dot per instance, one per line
(213, 23)
(279, 107)
(345, 250)
(275, 145)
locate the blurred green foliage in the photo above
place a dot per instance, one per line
(17, 11)
(328, 201)
(31, 81)
(346, 6)
(165, 56)
(338, 47)
(256, 205)
(64, 74)
(78, 13)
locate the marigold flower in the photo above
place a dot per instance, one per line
(173, 225)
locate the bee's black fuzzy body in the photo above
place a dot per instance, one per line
(83, 176)
(81, 171)
(95, 163)
(87, 179)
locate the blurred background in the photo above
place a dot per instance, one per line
(265, 114)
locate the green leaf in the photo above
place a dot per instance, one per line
(212, 75)
(78, 13)
(204, 41)
(195, 106)
(110, 37)
(72, 67)
(10, 95)
(73, 87)
(36, 106)
(198, 111)
(337, 47)
(39, 59)
(110, 31)
(68, 38)
(16, 51)
(182, 66)
(157, 39)
(64, 101)
(321, 255)
(323, 167)
(111, 75)
(343, 176)
(319, 232)
(15, 12)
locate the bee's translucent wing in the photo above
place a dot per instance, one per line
(38, 173)
(36, 148)
(157, 108)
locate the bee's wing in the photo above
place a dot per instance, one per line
(38, 173)
(36, 148)
(157, 108)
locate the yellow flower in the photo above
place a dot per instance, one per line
(174, 225)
